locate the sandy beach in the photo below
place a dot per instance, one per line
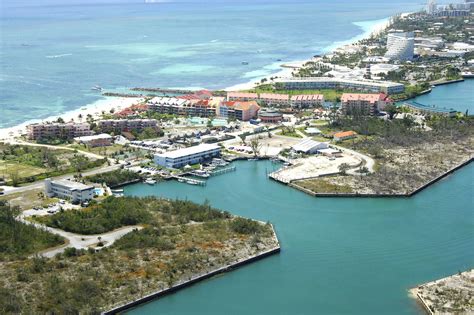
(95, 110)
(288, 67)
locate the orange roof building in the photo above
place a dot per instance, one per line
(339, 136)
(364, 104)
(243, 111)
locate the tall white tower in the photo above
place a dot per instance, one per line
(431, 7)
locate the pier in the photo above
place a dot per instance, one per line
(190, 181)
(223, 171)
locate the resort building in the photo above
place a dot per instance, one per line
(307, 100)
(243, 111)
(272, 99)
(241, 96)
(364, 104)
(188, 156)
(341, 136)
(102, 140)
(66, 189)
(429, 110)
(309, 146)
(270, 116)
(188, 105)
(166, 105)
(400, 46)
(318, 83)
(120, 125)
(58, 130)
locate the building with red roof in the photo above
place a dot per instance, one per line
(364, 104)
(243, 111)
(307, 100)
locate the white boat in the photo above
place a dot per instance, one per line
(150, 181)
(252, 159)
(201, 173)
(97, 88)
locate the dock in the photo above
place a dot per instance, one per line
(190, 181)
(223, 171)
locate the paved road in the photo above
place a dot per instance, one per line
(40, 184)
(79, 241)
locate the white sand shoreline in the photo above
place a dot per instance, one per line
(94, 109)
(119, 103)
(374, 29)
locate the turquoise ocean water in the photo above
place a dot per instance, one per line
(53, 52)
(339, 256)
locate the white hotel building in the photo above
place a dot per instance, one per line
(400, 46)
(66, 189)
(187, 156)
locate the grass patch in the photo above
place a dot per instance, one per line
(323, 186)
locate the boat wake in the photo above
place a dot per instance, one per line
(58, 56)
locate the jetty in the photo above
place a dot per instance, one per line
(223, 170)
(190, 181)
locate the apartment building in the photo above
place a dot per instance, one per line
(187, 156)
(58, 130)
(317, 83)
(307, 100)
(273, 99)
(66, 189)
(243, 111)
(120, 125)
(363, 104)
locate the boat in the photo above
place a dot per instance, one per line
(181, 180)
(201, 173)
(254, 159)
(245, 62)
(97, 88)
(150, 181)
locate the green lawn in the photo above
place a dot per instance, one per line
(9, 168)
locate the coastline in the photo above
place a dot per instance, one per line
(94, 109)
(395, 195)
(196, 279)
(368, 28)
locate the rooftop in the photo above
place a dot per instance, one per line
(371, 98)
(307, 97)
(71, 185)
(308, 144)
(189, 151)
(94, 137)
(345, 134)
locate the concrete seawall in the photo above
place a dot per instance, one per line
(194, 280)
(394, 195)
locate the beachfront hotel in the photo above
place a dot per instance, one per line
(66, 189)
(243, 111)
(364, 104)
(185, 106)
(400, 46)
(318, 83)
(58, 130)
(274, 99)
(187, 156)
(120, 125)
